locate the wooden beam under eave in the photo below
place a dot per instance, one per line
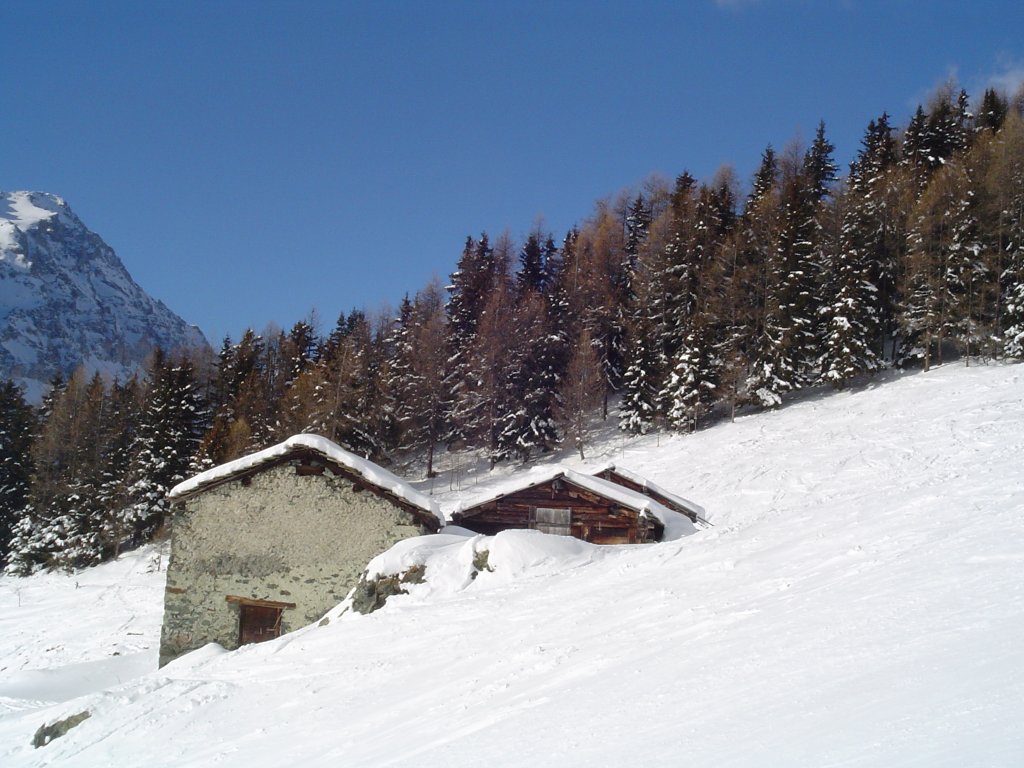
(259, 603)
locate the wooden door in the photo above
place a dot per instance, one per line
(257, 623)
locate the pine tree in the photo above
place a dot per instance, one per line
(766, 177)
(417, 373)
(993, 111)
(166, 441)
(945, 268)
(17, 426)
(784, 245)
(471, 287)
(638, 225)
(532, 273)
(119, 434)
(640, 381)
(862, 307)
(1005, 184)
(694, 378)
(581, 391)
(241, 417)
(61, 521)
(346, 405)
(692, 385)
(645, 326)
(497, 396)
(535, 360)
(604, 292)
(675, 277)
(85, 517)
(301, 349)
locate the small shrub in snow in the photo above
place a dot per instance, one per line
(371, 594)
(480, 559)
(48, 733)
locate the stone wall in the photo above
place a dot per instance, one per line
(283, 537)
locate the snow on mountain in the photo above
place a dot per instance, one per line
(66, 299)
(858, 602)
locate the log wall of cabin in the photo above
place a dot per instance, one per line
(594, 518)
(614, 477)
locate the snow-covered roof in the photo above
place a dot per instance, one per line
(638, 502)
(372, 473)
(646, 484)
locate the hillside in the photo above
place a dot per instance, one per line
(66, 299)
(858, 602)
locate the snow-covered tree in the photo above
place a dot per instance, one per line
(167, 439)
(582, 389)
(862, 274)
(17, 426)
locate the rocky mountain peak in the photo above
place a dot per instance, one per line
(67, 300)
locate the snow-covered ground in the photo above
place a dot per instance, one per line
(63, 636)
(858, 602)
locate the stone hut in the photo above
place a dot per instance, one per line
(568, 503)
(270, 542)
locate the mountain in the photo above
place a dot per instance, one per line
(66, 299)
(857, 603)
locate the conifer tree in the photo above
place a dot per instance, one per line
(417, 372)
(675, 278)
(640, 381)
(535, 360)
(60, 525)
(763, 220)
(532, 273)
(166, 441)
(1005, 222)
(119, 435)
(944, 266)
(603, 294)
(471, 287)
(692, 385)
(861, 309)
(82, 525)
(993, 111)
(17, 426)
(346, 408)
(498, 394)
(638, 225)
(582, 389)
(788, 354)
(646, 329)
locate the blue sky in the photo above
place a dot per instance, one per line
(252, 160)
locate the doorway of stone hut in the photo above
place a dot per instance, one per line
(258, 620)
(257, 623)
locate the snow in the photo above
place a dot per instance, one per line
(371, 472)
(62, 636)
(857, 603)
(19, 211)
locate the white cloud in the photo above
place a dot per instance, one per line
(1008, 78)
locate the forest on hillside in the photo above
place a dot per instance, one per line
(667, 308)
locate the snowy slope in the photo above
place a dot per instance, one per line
(62, 636)
(859, 602)
(66, 299)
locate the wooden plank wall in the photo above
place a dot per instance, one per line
(594, 518)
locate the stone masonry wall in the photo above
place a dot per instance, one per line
(284, 537)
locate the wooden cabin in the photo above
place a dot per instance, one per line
(629, 479)
(568, 503)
